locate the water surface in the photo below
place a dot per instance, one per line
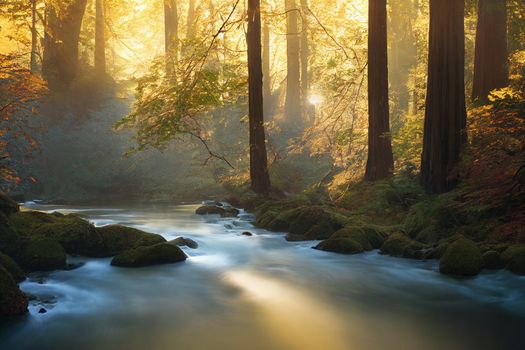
(261, 292)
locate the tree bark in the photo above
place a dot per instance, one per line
(100, 40)
(267, 81)
(171, 34)
(260, 180)
(60, 62)
(380, 162)
(34, 38)
(190, 23)
(293, 86)
(445, 114)
(491, 57)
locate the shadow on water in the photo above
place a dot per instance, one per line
(261, 292)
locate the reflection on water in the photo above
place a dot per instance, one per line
(261, 292)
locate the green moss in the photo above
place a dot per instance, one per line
(265, 218)
(398, 244)
(340, 245)
(462, 258)
(313, 223)
(7, 205)
(163, 253)
(514, 259)
(492, 260)
(12, 267)
(12, 301)
(118, 238)
(43, 254)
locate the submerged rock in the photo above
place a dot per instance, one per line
(42, 311)
(163, 253)
(12, 301)
(247, 234)
(223, 211)
(184, 242)
(117, 239)
(462, 258)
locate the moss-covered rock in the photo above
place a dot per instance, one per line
(398, 244)
(43, 254)
(75, 234)
(12, 301)
(514, 259)
(218, 210)
(312, 223)
(492, 260)
(462, 258)
(117, 239)
(368, 236)
(340, 246)
(10, 242)
(163, 253)
(12, 267)
(7, 205)
(186, 242)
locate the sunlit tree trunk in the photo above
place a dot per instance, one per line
(34, 38)
(190, 24)
(380, 162)
(60, 62)
(491, 61)
(260, 180)
(100, 40)
(293, 85)
(267, 79)
(171, 33)
(305, 57)
(445, 114)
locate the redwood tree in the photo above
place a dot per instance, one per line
(100, 40)
(260, 180)
(293, 83)
(380, 162)
(491, 60)
(445, 114)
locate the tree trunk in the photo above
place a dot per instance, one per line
(100, 40)
(267, 79)
(445, 114)
(260, 180)
(293, 86)
(380, 162)
(171, 34)
(34, 38)
(491, 58)
(60, 63)
(190, 23)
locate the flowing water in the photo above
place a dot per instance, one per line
(261, 292)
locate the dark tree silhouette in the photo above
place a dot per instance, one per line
(260, 180)
(100, 41)
(491, 61)
(380, 162)
(445, 114)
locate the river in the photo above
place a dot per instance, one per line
(261, 292)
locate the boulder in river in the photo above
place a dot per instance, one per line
(185, 242)
(492, 260)
(462, 258)
(340, 245)
(12, 301)
(43, 254)
(514, 258)
(247, 234)
(12, 267)
(400, 245)
(213, 209)
(163, 253)
(117, 238)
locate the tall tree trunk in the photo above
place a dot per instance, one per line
(445, 114)
(293, 86)
(491, 58)
(308, 109)
(260, 180)
(380, 162)
(171, 34)
(60, 63)
(100, 39)
(190, 23)
(34, 38)
(267, 79)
